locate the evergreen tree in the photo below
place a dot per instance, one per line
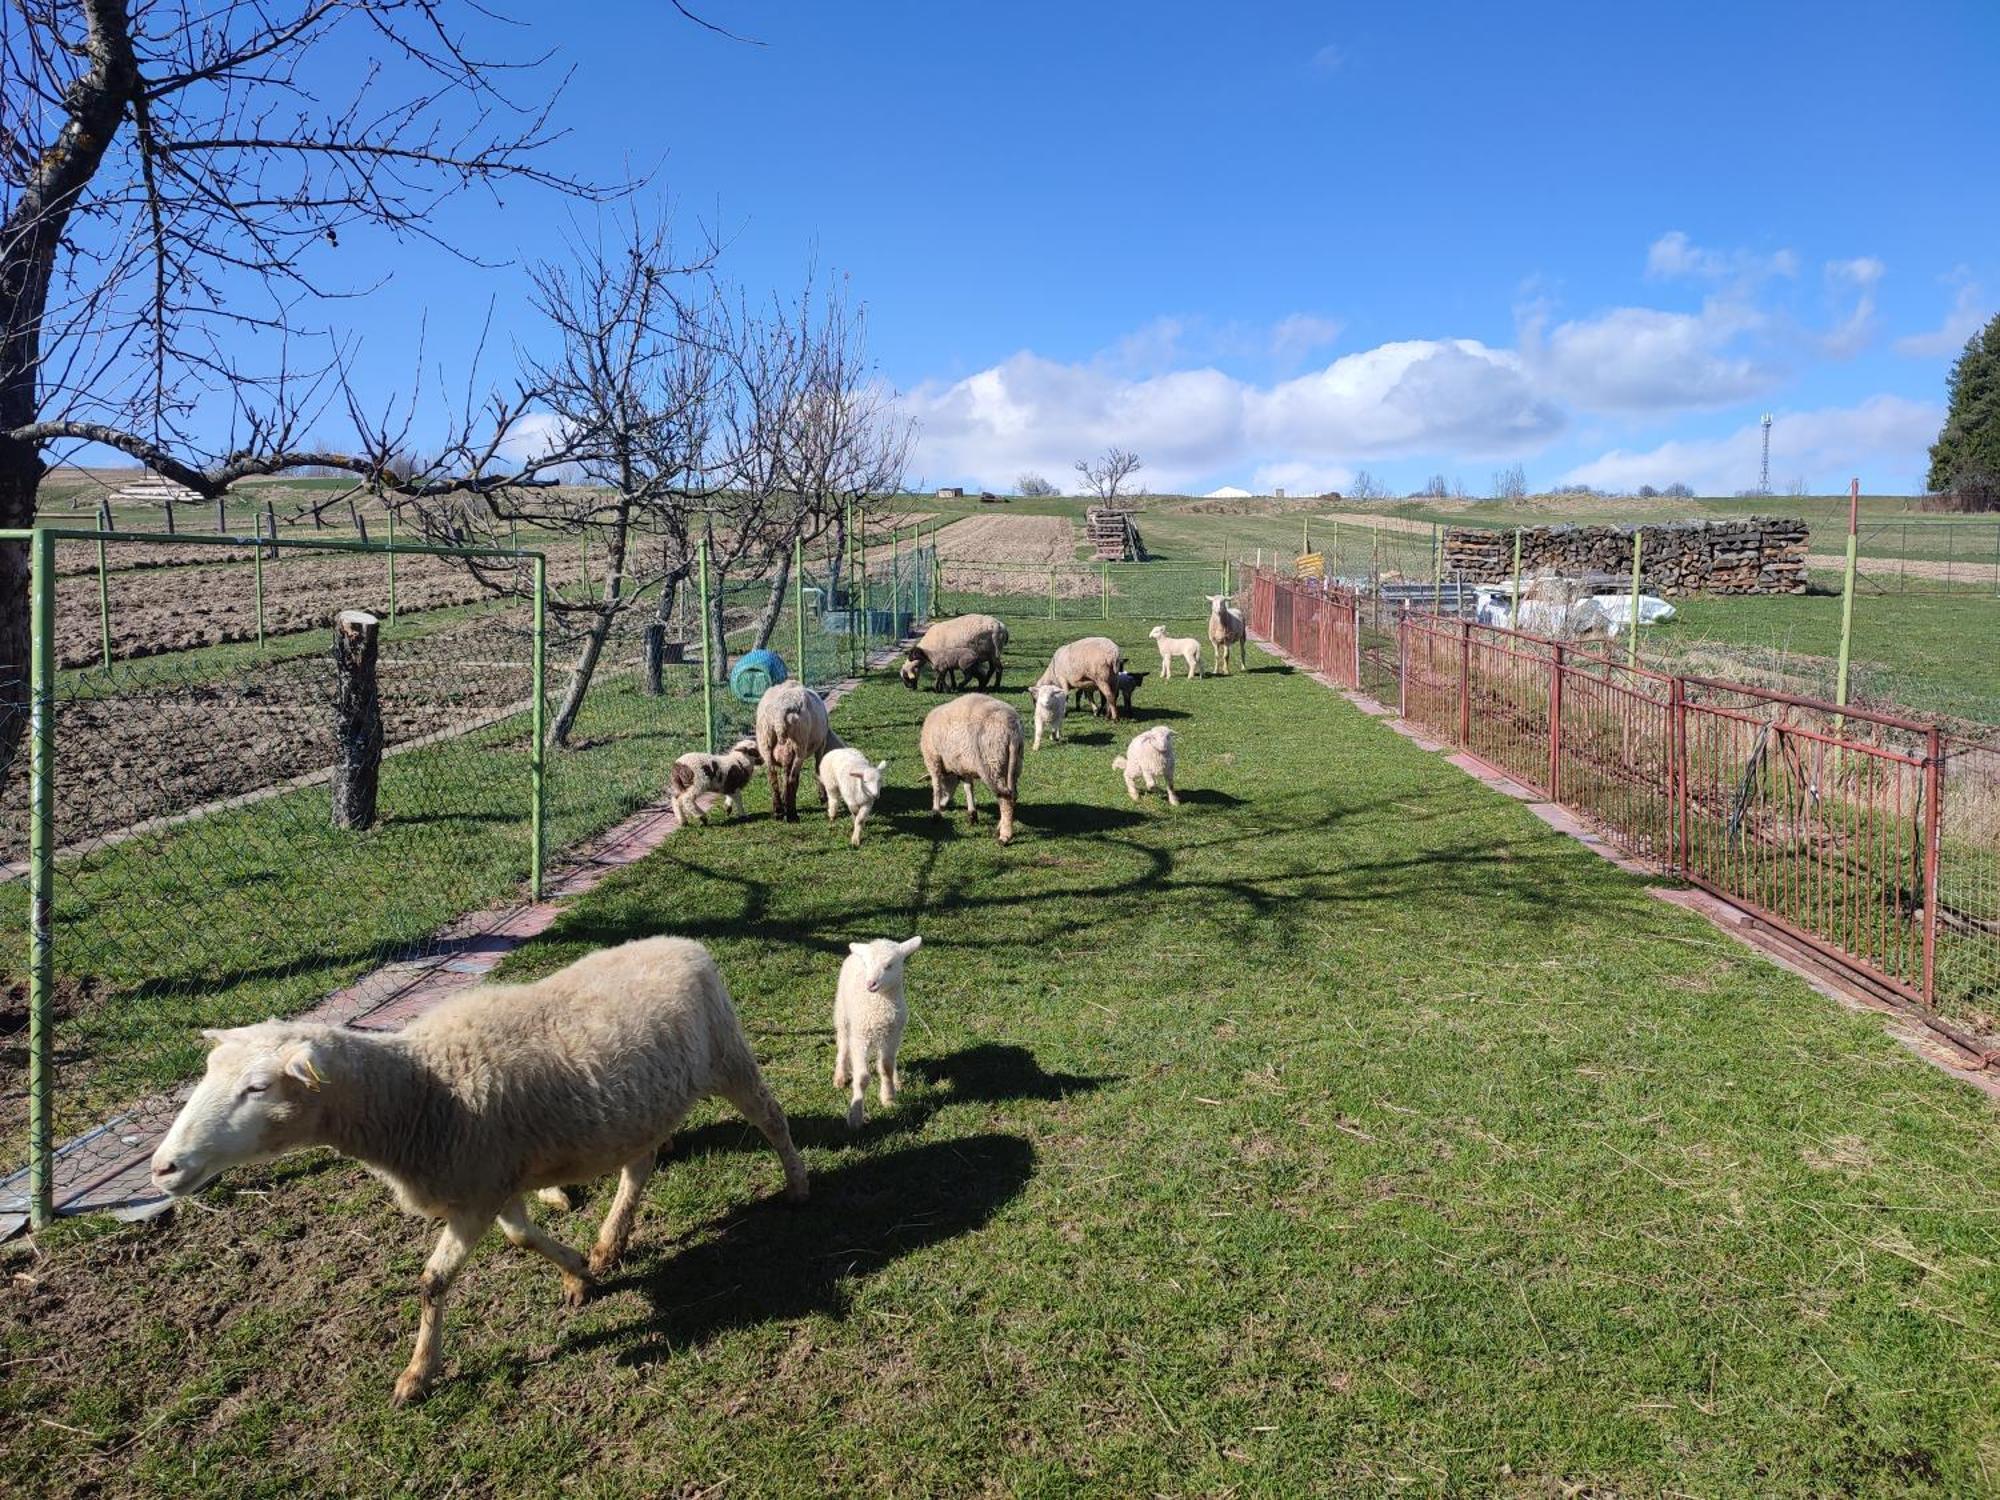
(1966, 455)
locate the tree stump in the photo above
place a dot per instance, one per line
(357, 719)
(660, 653)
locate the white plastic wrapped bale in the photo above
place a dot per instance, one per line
(1617, 609)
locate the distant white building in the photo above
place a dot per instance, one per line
(1228, 492)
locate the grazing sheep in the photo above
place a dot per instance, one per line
(1226, 629)
(970, 739)
(869, 1013)
(947, 663)
(1150, 757)
(791, 730)
(1125, 684)
(1051, 704)
(696, 775)
(847, 776)
(1093, 662)
(983, 635)
(501, 1090)
(1186, 647)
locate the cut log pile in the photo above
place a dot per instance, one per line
(1759, 555)
(1114, 535)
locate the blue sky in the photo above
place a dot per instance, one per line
(1279, 243)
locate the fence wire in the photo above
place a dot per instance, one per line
(196, 877)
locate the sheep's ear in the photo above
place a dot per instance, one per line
(881, 765)
(859, 950)
(910, 945)
(219, 1033)
(299, 1064)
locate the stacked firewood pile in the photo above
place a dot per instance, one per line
(1760, 555)
(1114, 535)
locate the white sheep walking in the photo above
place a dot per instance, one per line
(1226, 629)
(1186, 647)
(847, 776)
(497, 1092)
(792, 729)
(869, 1013)
(1150, 757)
(971, 739)
(1051, 705)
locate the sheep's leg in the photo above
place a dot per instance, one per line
(840, 1059)
(616, 1231)
(1006, 817)
(561, 1199)
(756, 1104)
(735, 801)
(776, 773)
(860, 817)
(523, 1233)
(792, 790)
(1108, 688)
(453, 1246)
(857, 1087)
(832, 811)
(1173, 797)
(886, 1081)
(971, 807)
(1243, 653)
(1131, 787)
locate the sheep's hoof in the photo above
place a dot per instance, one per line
(602, 1259)
(577, 1289)
(854, 1113)
(558, 1198)
(411, 1387)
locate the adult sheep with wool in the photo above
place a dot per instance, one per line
(969, 638)
(791, 729)
(1226, 629)
(976, 738)
(498, 1092)
(1093, 662)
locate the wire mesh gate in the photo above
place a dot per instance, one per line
(169, 852)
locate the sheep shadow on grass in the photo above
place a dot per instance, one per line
(771, 1262)
(987, 1073)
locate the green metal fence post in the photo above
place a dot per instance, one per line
(1104, 588)
(1052, 593)
(392, 567)
(1632, 621)
(708, 645)
(867, 605)
(257, 572)
(799, 603)
(1225, 572)
(41, 882)
(895, 583)
(538, 711)
(1437, 570)
(104, 602)
(1514, 604)
(1847, 598)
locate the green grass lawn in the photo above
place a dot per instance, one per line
(1342, 1131)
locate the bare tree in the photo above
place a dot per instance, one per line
(1104, 475)
(1510, 483)
(1367, 487)
(175, 176)
(1033, 487)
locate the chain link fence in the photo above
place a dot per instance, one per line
(168, 846)
(1156, 591)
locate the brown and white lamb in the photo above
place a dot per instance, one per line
(698, 774)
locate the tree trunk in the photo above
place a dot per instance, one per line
(651, 680)
(357, 719)
(718, 667)
(774, 606)
(20, 477)
(579, 678)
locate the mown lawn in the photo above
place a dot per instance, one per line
(1342, 1131)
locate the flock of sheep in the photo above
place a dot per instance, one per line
(507, 1090)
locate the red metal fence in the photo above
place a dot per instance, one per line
(1871, 838)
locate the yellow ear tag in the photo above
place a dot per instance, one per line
(313, 1078)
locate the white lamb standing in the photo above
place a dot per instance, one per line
(1186, 647)
(1051, 705)
(847, 776)
(1150, 757)
(869, 1013)
(498, 1092)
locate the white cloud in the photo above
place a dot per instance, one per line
(533, 436)
(1968, 314)
(1674, 255)
(1883, 437)
(1644, 359)
(1297, 335)
(1853, 333)
(1415, 397)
